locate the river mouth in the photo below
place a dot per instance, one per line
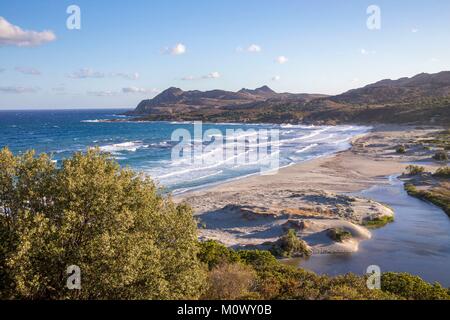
(418, 242)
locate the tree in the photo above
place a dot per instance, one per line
(129, 241)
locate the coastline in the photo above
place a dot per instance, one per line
(309, 197)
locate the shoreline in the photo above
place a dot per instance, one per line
(311, 197)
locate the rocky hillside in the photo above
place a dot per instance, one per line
(175, 100)
(422, 99)
(405, 89)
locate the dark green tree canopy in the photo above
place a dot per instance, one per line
(128, 240)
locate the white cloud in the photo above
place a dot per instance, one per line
(276, 78)
(15, 36)
(139, 90)
(253, 48)
(28, 71)
(281, 59)
(366, 52)
(128, 76)
(86, 73)
(414, 30)
(18, 90)
(106, 93)
(212, 75)
(434, 60)
(177, 50)
(188, 78)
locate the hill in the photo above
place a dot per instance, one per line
(422, 99)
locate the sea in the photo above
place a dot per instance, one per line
(147, 147)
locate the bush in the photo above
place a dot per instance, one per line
(412, 287)
(443, 172)
(230, 282)
(258, 259)
(290, 245)
(414, 170)
(258, 275)
(339, 235)
(441, 156)
(213, 253)
(129, 242)
(400, 149)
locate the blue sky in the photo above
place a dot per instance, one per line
(125, 51)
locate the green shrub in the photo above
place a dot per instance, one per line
(338, 234)
(443, 172)
(290, 245)
(441, 156)
(412, 287)
(128, 241)
(258, 258)
(400, 149)
(266, 278)
(413, 170)
(213, 253)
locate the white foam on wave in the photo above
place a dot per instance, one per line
(295, 145)
(307, 148)
(93, 120)
(131, 146)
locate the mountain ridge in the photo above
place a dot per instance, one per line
(421, 99)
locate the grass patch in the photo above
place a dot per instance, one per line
(379, 222)
(439, 196)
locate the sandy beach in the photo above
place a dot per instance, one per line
(310, 197)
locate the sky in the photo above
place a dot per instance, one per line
(126, 51)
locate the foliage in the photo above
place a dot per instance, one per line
(441, 156)
(129, 242)
(412, 287)
(289, 245)
(339, 235)
(230, 282)
(440, 196)
(413, 170)
(400, 149)
(214, 254)
(379, 222)
(443, 172)
(274, 280)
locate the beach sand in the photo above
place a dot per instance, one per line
(309, 197)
